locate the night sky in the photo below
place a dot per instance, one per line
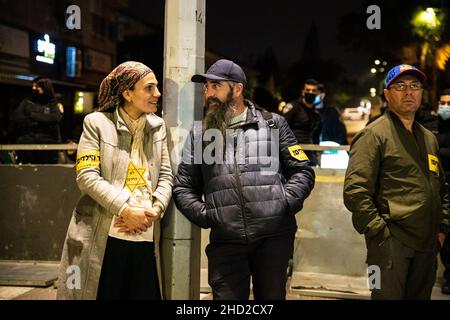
(240, 29)
(282, 24)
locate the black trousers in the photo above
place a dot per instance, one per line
(230, 267)
(445, 258)
(128, 271)
(405, 273)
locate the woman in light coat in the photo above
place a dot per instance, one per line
(123, 171)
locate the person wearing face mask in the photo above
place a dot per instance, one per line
(36, 121)
(332, 127)
(443, 137)
(303, 118)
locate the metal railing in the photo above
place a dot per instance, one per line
(69, 146)
(38, 147)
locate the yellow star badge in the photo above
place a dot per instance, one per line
(135, 177)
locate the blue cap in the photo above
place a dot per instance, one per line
(402, 69)
(222, 70)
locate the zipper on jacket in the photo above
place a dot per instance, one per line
(239, 186)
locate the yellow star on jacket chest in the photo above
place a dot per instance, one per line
(135, 177)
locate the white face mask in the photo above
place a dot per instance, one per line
(444, 111)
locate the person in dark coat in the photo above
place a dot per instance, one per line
(36, 121)
(303, 117)
(443, 137)
(247, 191)
(333, 129)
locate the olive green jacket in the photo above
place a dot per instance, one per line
(395, 184)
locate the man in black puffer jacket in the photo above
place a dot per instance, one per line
(246, 187)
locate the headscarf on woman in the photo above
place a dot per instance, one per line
(123, 77)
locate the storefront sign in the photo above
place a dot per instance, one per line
(46, 50)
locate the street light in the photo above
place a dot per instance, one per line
(428, 25)
(428, 17)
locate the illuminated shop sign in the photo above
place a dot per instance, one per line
(46, 50)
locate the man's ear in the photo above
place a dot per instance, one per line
(239, 89)
(386, 94)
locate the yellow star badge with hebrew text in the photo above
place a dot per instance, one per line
(135, 177)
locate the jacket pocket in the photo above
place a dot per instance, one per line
(213, 217)
(286, 202)
(212, 213)
(85, 206)
(405, 205)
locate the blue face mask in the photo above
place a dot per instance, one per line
(444, 112)
(318, 101)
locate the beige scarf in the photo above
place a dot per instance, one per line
(136, 128)
(141, 196)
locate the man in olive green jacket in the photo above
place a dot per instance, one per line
(395, 189)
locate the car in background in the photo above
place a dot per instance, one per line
(357, 113)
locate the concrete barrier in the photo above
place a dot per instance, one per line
(36, 207)
(326, 241)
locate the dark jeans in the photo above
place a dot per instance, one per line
(128, 271)
(405, 273)
(231, 265)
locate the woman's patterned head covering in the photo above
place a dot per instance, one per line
(123, 77)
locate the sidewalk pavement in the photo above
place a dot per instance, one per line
(49, 293)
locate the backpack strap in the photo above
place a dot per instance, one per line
(268, 116)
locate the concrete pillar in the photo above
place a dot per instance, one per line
(184, 52)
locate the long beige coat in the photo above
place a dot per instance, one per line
(103, 196)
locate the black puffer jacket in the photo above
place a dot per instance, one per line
(253, 197)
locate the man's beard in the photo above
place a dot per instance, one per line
(218, 114)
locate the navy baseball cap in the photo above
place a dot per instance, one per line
(222, 70)
(402, 69)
